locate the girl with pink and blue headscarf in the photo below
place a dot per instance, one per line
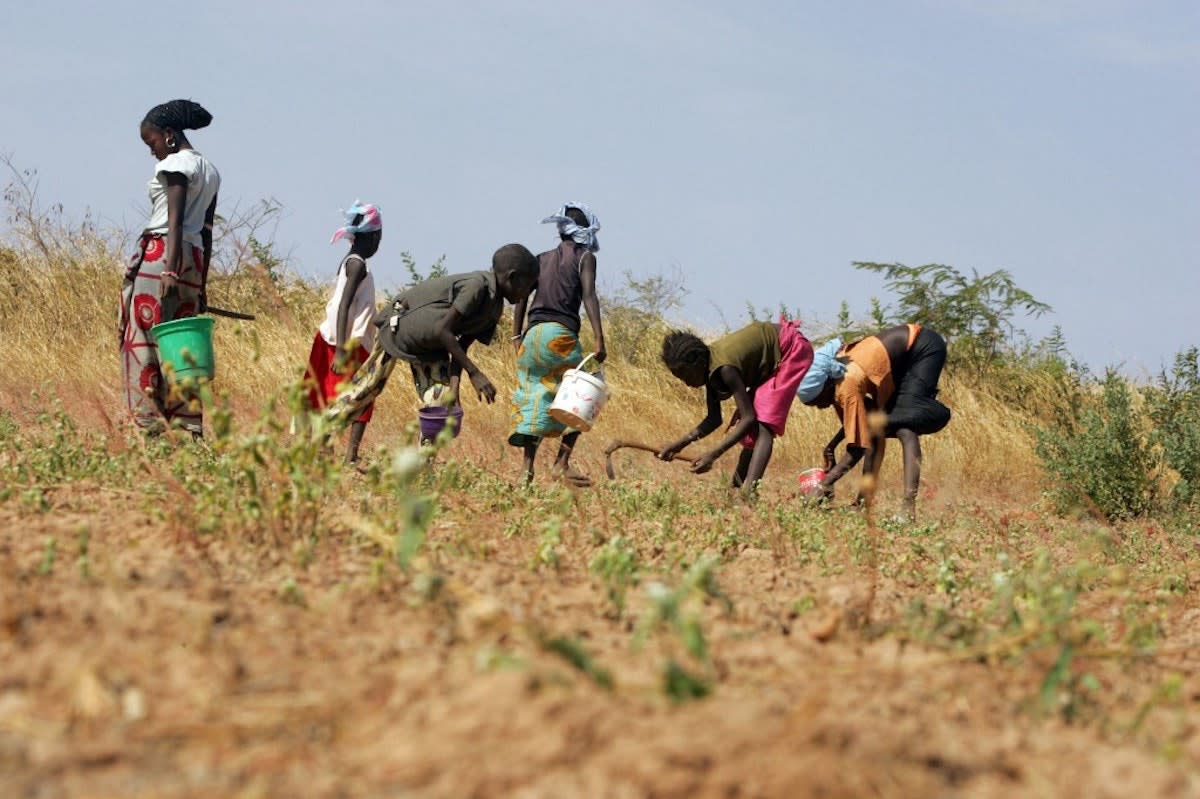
(345, 337)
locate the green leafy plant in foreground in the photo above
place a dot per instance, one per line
(49, 555)
(550, 539)
(258, 480)
(414, 507)
(616, 564)
(676, 612)
(57, 452)
(572, 651)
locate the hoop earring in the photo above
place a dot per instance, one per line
(172, 143)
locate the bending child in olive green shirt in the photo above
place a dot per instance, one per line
(760, 367)
(432, 325)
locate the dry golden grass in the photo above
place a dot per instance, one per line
(995, 649)
(58, 311)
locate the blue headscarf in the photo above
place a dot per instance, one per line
(567, 226)
(825, 366)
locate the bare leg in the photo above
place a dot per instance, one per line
(562, 463)
(872, 463)
(764, 445)
(356, 434)
(911, 444)
(530, 455)
(743, 468)
(752, 463)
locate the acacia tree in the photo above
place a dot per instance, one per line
(973, 312)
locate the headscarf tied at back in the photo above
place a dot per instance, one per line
(568, 227)
(825, 366)
(371, 221)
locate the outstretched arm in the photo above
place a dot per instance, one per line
(849, 460)
(709, 423)
(828, 455)
(519, 321)
(591, 302)
(747, 419)
(458, 354)
(456, 369)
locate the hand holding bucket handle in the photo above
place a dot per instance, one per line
(588, 357)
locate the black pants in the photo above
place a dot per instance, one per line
(914, 405)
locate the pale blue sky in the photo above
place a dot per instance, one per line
(759, 147)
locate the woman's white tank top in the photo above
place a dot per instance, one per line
(362, 309)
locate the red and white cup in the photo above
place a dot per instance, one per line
(810, 481)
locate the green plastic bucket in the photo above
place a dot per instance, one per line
(185, 348)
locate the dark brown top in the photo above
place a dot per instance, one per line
(559, 287)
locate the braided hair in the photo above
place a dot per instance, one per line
(178, 115)
(682, 350)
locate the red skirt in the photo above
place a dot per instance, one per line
(323, 382)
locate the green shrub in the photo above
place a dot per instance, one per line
(1173, 404)
(1102, 459)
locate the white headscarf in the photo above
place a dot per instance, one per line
(568, 227)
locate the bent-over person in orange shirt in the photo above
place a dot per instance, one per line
(895, 371)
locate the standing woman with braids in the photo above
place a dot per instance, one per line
(168, 273)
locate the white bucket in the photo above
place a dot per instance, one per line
(580, 398)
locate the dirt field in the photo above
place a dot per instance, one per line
(139, 658)
(246, 619)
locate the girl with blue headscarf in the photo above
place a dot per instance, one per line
(895, 371)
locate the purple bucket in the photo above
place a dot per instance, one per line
(433, 419)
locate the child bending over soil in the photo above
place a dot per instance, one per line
(895, 371)
(760, 367)
(432, 325)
